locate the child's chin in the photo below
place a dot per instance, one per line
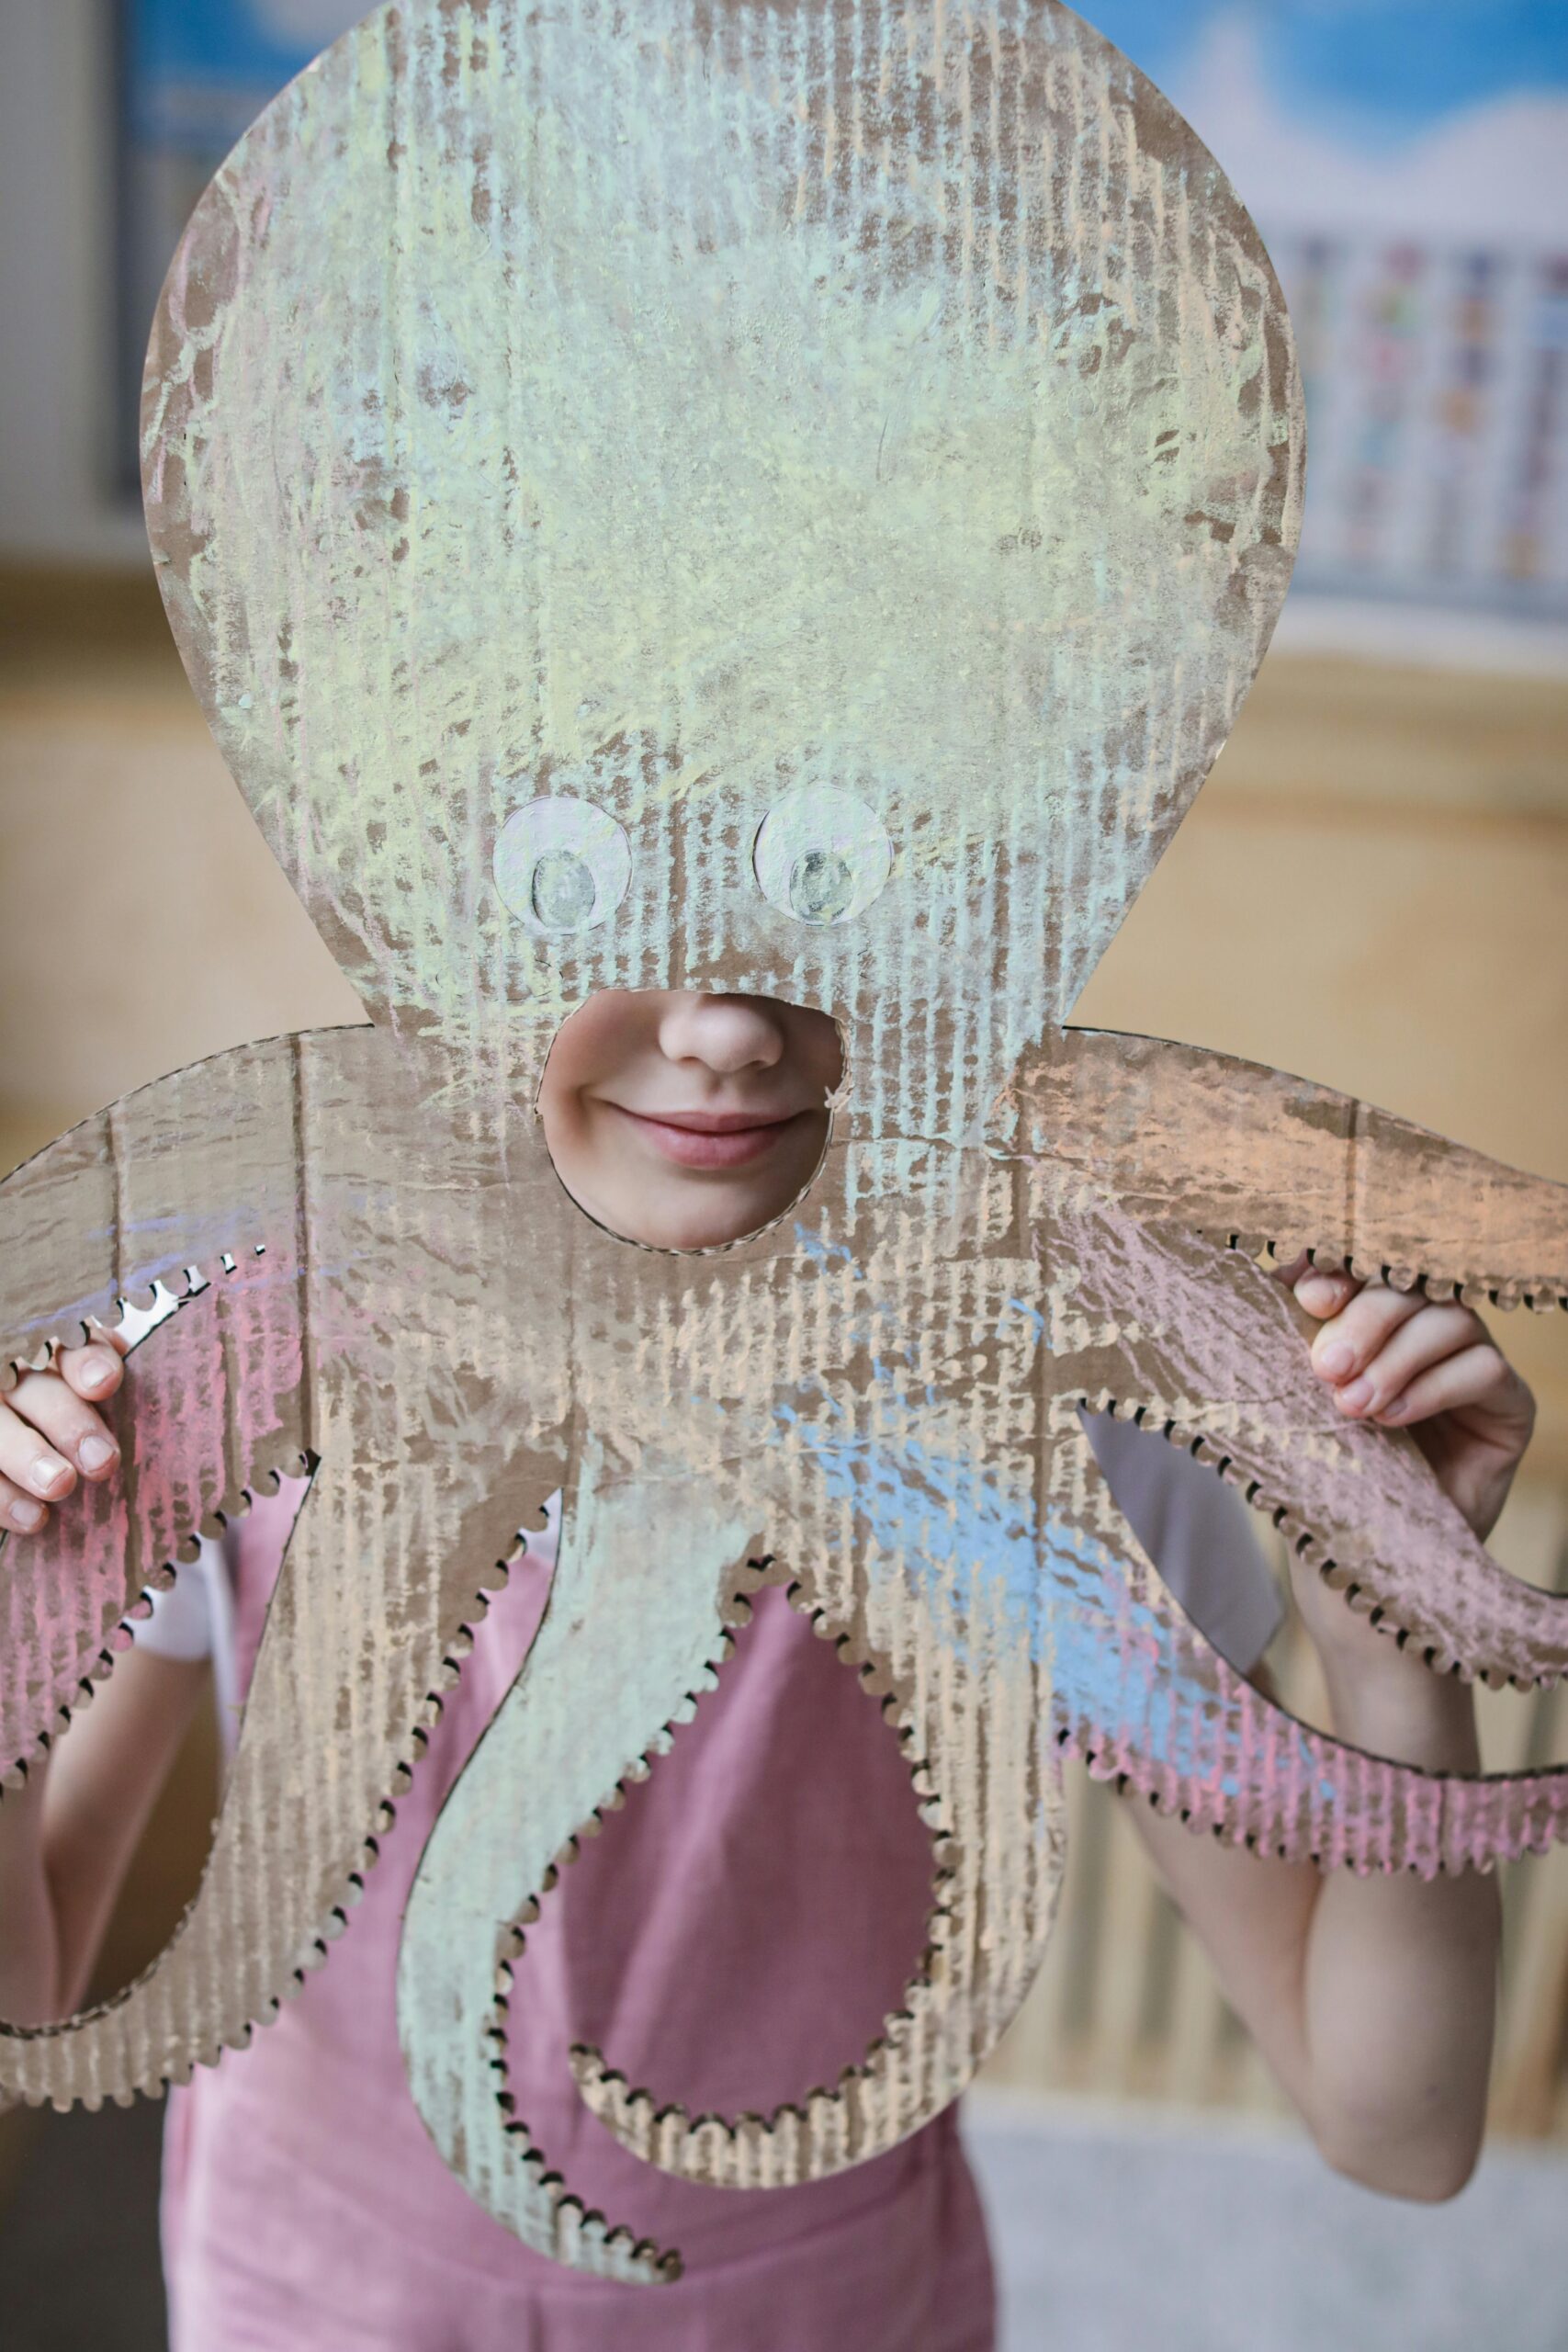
(709, 1229)
(701, 1216)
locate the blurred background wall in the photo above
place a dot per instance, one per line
(1371, 890)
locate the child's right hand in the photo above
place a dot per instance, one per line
(50, 1433)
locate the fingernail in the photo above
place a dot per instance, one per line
(1351, 1399)
(1336, 1360)
(1397, 1412)
(26, 1515)
(48, 1472)
(98, 1370)
(95, 1451)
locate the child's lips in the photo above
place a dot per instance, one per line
(711, 1138)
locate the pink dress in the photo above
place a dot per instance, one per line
(734, 1936)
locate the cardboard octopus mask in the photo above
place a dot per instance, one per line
(783, 498)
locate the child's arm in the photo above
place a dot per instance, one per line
(67, 1836)
(1373, 1999)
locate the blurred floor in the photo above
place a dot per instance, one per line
(79, 2234)
(1119, 2231)
(1114, 2231)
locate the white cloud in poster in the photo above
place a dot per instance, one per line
(1496, 173)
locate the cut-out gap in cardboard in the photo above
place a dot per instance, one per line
(1108, 1424)
(1199, 1540)
(725, 2130)
(183, 1621)
(690, 1121)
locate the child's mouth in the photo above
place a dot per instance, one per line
(713, 1139)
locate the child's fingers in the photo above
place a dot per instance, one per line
(25, 1458)
(1322, 1290)
(42, 1400)
(18, 1510)
(96, 1369)
(1477, 1375)
(1348, 1342)
(1424, 1339)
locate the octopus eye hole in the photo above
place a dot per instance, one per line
(561, 866)
(821, 854)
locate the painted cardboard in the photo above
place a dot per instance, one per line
(845, 463)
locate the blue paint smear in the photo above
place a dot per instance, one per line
(1116, 1665)
(817, 1252)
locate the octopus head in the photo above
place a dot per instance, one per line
(637, 520)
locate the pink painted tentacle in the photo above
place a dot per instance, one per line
(1206, 1345)
(1145, 1698)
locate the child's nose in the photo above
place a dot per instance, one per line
(726, 1032)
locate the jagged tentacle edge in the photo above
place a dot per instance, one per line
(1310, 1548)
(315, 1951)
(1124, 1766)
(163, 1299)
(1542, 1294)
(573, 2219)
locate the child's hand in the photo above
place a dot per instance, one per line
(49, 1431)
(1396, 1358)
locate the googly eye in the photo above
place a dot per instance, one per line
(561, 865)
(821, 854)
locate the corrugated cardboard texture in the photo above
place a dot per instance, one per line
(697, 412)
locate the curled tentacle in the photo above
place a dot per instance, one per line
(1204, 1342)
(925, 1588)
(280, 1353)
(1145, 1699)
(615, 1661)
(68, 1595)
(1188, 1139)
(271, 1899)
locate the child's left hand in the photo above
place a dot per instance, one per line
(1397, 1358)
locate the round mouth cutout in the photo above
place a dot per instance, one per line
(689, 1121)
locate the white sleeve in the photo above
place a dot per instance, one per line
(181, 1624)
(1198, 1533)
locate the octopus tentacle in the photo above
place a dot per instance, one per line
(945, 1635)
(262, 1363)
(66, 1607)
(1190, 1139)
(604, 1680)
(1144, 1698)
(1205, 1342)
(827, 2128)
(268, 1906)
